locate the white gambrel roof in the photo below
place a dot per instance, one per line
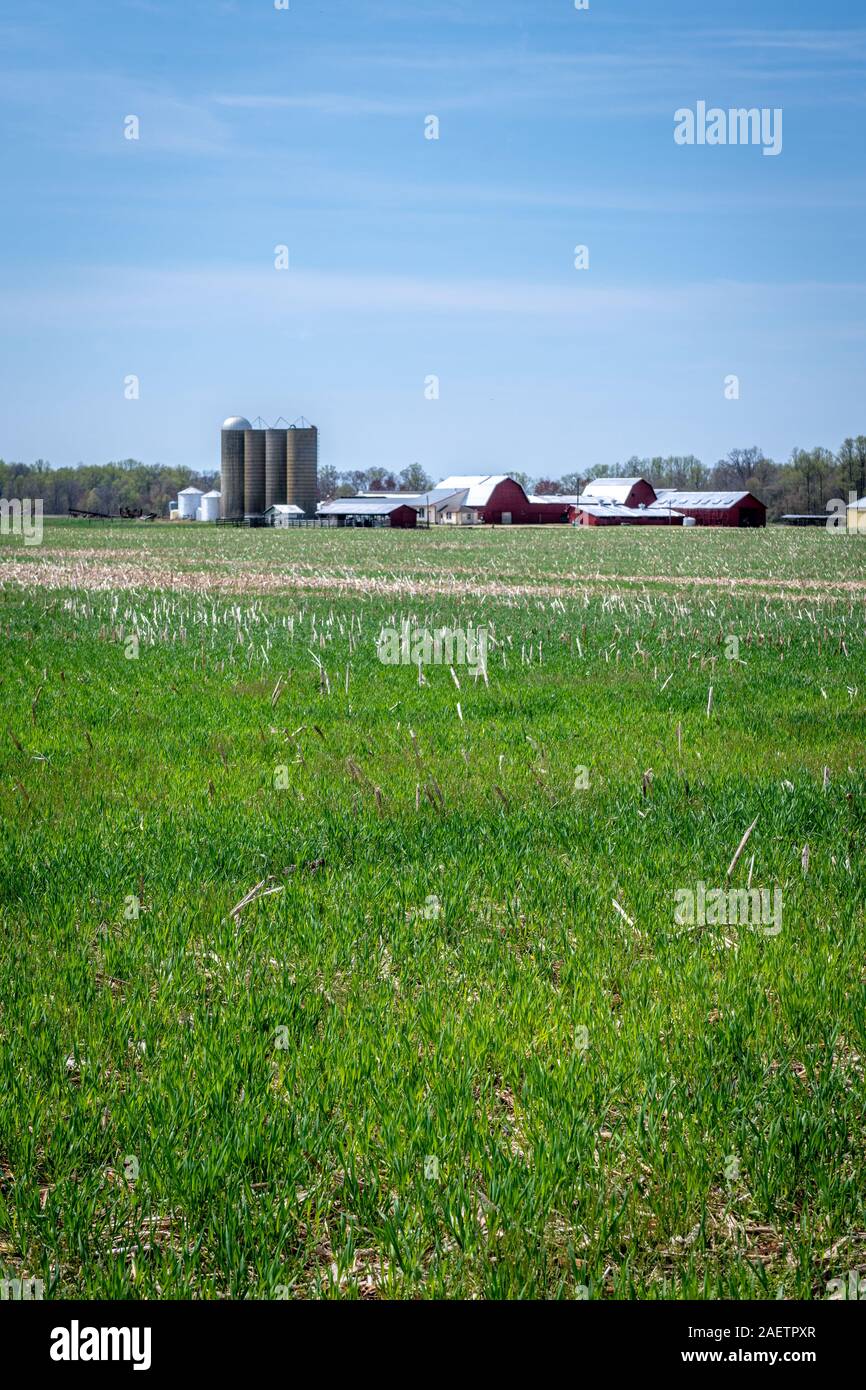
(478, 487)
(858, 506)
(610, 489)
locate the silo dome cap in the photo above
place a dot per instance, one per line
(237, 422)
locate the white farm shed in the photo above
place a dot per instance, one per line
(283, 514)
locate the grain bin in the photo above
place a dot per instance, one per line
(302, 467)
(210, 507)
(275, 468)
(188, 503)
(254, 472)
(232, 467)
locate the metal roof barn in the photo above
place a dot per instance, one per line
(282, 513)
(491, 498)
(626, 492)
(364, 511)
(479, 488)
(716, 508)
(610, 514)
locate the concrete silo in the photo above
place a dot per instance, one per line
(302, 467)
(275, 468)
(254, 472)
(232, 468)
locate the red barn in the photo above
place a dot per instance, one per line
(608, 501)
(493, 499)
(622, 492)
(716, 508)
(552, 508)
(364, 511)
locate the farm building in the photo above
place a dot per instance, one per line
(365, 511)
(716, 508)
(555, 506)
(494, 499)
(283, 514)
(620, 498)
(611, 514)
(624, 492)
(857, 515)
(430, 506)
(481, 499)
(497, 500)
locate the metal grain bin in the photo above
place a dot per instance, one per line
(188, 503)
(210, 506)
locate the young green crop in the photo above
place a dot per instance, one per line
(455, 1044)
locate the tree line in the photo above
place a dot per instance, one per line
(101, 487)
(804, 484)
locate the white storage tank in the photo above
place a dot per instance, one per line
(210, 507)
(188, 502)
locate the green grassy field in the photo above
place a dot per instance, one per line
(458, 1045)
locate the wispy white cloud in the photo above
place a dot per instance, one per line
(849, 43)
(216, 293)
(345, 104)
(86, 110)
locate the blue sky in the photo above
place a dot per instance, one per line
(410, 257)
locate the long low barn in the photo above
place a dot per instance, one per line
(364, 511)
(609, 514)
(716, 508)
